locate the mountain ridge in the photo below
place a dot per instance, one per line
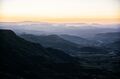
(21, 59)
(53, 41)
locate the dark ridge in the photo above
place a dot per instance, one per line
(21, 59)
(6, 32)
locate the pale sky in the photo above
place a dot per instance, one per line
(60, 10)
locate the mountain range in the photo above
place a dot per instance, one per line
(53, 41)
(21, 59)
(73, 45)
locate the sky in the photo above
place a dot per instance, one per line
(87, 11)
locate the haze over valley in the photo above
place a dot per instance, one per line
(78, 29)
(60, 39)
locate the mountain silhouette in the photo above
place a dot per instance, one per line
(21, 59)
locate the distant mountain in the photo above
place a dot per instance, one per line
(106, 38)
(53, 41)
(58, 42)
(78, 40)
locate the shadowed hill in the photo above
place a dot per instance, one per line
(20, 59)
(53, 41)
(9, 40)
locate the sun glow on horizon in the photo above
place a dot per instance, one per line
(98, 11)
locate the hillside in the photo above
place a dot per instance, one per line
(22, 59)
(53, 41)
(78, 40)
